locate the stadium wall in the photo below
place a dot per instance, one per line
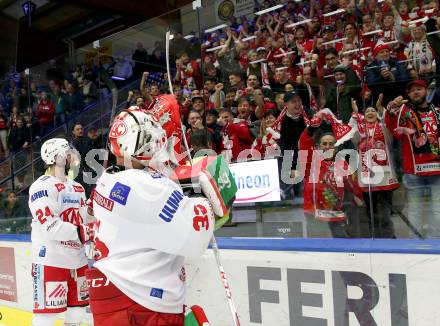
(285, 281)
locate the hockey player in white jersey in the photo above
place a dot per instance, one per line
(58, 207)
(145, 227)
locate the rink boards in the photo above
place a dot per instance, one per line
(285, 282)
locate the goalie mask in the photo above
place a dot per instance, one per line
(137, 135)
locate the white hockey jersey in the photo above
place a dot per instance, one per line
(145, 227)
(57, 208)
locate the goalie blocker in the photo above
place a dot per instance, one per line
(212, 176)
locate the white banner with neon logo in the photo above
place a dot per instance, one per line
(257, 181)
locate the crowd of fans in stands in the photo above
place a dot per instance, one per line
(261, 83)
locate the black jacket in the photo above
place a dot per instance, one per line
(17, 138)
(378, 84)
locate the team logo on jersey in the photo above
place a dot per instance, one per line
(60, 187)
(119, 193)
(157, 293)
(101, 250)
(171, 206)
(39, 194)
(119, 129)
(78, 188)
(102, 201)
(71, 215)
(56, 295)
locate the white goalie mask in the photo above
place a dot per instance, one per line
(136, 135)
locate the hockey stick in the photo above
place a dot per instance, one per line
(214, 246)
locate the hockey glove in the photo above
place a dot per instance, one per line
(86, 232)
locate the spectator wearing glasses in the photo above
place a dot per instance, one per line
(326, 75)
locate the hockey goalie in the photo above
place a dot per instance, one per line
(145, 227)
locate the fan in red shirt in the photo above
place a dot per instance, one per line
(45, 113)
(236, 135)
(267, 141)
(326, 181)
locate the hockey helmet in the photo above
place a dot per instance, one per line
(53, 147)
(136, 134)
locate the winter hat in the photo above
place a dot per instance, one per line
(340, 68)
(379, 47)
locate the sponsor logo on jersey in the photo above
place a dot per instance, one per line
(71, 244)
(52, 225)
(97, 282)
(38, 285)
(119, 129)
(42, 252)
(171, 206)
(103, 201)
(82, 289)
(119, 193)
(71, 201)
(157, 293)
(39, 194)
(60, 187)
(78, 188)
(56, 295)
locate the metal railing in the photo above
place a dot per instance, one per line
(20, 169)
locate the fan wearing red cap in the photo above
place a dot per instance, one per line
(379, 48)
(385, 74)
(415, 123)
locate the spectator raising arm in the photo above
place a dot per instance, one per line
(217, 96)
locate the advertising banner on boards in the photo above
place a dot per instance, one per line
(319, 288)
(8, 283)
(257, 181)
(286, 288)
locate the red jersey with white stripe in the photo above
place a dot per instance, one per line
(57, 207)
(145, 227)
(421, 150)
